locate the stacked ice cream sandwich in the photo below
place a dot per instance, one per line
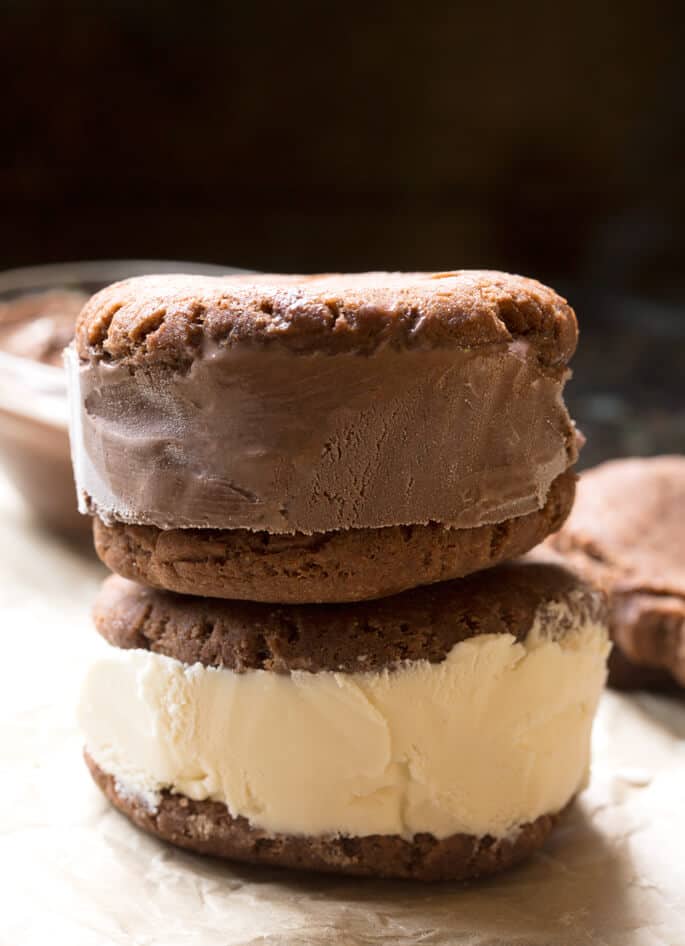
(310, 490)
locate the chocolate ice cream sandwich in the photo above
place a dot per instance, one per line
(321, 438)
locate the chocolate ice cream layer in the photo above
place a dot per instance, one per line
(453, 416)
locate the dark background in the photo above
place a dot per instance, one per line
(542, 138)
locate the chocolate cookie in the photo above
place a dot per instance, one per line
(420, 624)
(436, 734)
(167, 319)
(350, 565)
(627, 532)
(207, 828)
(307, 436)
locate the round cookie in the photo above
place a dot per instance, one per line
(350, 565)
(207, 828)
(627, 532)
(303, 438)
(420, 624)
(434, 735)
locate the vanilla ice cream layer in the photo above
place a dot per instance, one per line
(494, 736)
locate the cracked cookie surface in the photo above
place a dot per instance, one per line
(420, 624)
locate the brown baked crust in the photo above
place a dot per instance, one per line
(349, 565)
(207, 828)
(167, 319)
(421, 624)
(626, 533)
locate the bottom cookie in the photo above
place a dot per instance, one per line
(206, 827)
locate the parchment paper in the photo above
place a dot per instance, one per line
(75, 873)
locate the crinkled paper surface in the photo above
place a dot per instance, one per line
(75, 873)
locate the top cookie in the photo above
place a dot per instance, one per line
(167, 319)
(627, 533)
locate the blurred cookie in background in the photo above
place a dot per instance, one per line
(627, 532)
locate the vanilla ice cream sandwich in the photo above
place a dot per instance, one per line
(437, 734)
